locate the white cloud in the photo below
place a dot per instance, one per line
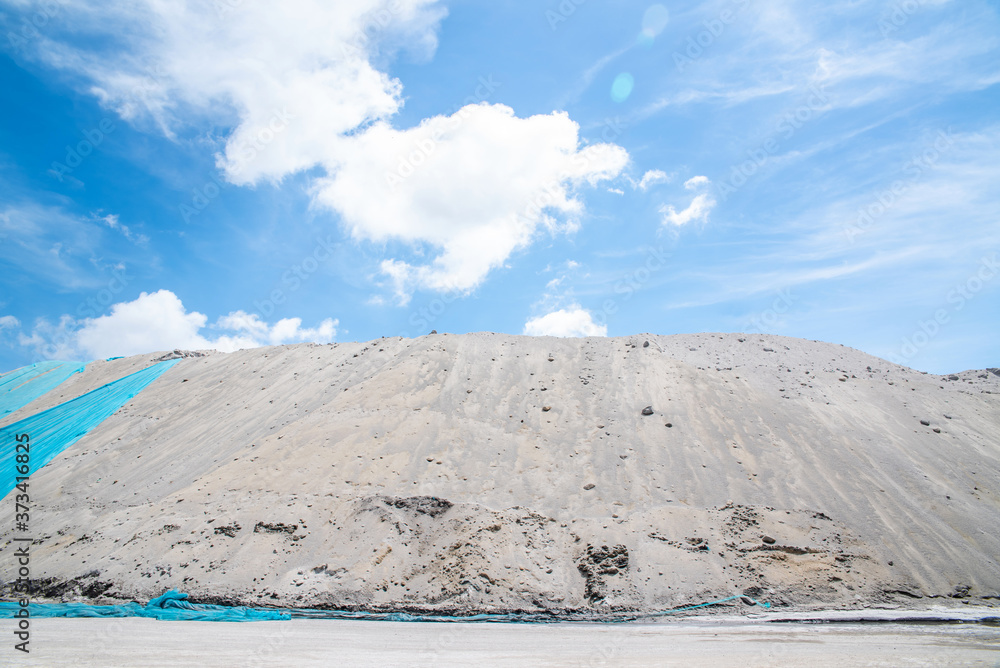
(699, 209)
(254, 332)
(554, 283)
(158, 321)
(477, 184)
(111, 220)
(291, 76)
(648, 180)
(569, 322)
(55, 342)
(893, 50)
(9, 322)
(303, 84)
(652, 177)
(695, 182)
(616, 191)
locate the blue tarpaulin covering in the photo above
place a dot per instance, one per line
(21, 386)
(52, 431)
(171, 606)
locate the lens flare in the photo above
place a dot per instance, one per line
(654, 21)
(622, 86)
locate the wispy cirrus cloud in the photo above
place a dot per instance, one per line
(49, 245)
(779, 49)
(699, 208)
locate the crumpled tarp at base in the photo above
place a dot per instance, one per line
(171, 606)
(174, 606)
(20, 387)
(53, 430)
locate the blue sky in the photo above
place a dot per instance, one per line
(236, 173)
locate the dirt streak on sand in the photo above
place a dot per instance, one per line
(490, 473)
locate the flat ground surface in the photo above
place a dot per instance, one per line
(144, 642)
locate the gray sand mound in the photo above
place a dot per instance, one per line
(486, 472)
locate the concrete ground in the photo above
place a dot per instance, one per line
(145, 642)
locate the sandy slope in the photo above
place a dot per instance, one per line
(426, 473)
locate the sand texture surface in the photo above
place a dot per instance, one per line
(492, 473)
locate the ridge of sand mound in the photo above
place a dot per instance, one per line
(486, 472)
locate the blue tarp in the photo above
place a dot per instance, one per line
(21, 386)
(52, 431)
(171, 606)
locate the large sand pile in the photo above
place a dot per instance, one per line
(486, 472)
